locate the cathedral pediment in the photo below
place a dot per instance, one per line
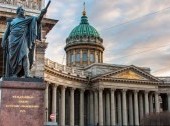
(130, 73)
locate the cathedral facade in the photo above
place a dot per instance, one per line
(87, 91)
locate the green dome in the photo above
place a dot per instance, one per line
(84, 29)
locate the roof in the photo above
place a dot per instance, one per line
(84, 29)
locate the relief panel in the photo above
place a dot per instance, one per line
(32, 4)
(129, 75)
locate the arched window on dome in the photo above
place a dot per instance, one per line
(84, 56)
(78, 57)
(72, 58)
(91, 57)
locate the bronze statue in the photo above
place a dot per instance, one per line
(19, 41)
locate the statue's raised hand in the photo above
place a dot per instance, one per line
(44, 11)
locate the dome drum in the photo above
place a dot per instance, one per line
(81, 57)
(85, 41)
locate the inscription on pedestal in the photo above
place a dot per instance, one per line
(22, 103)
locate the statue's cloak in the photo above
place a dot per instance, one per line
(19, 42)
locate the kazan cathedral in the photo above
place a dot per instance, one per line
(87, 91)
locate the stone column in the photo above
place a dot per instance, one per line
(151, 103)
(88, 56)
(124, 107)
(119, 108)
(67, 58)
(54, 101)
(96, 57)
(107, 108)
(81, 107)
(96, 118)
(72, 107)
(104, 108)
(91, 109)
(157, 104)
(141, 105)
(100, 57)
(100, 107)
(131, 119)
(81, 57)
(113, 113)
(136, 107)
(46, 102)
(146, 103)
(74, 55)
(63, 88)
(88, 108)
(168, 94)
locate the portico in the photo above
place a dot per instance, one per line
(109, 101)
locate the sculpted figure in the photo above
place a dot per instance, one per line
(18, 43)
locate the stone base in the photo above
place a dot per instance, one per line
(22, 102)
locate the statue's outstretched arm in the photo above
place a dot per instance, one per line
(5, 36)
(43, 12)
(40, 17)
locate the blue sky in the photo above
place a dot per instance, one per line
(129, 36)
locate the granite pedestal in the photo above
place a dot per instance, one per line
(22, 102)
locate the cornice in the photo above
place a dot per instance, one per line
(164, 85)
(117, 80)
(84, 44)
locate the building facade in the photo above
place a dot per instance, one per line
(87, 91)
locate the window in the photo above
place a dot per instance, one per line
(91, 57)
(84, 56)
(78, 57)
(72, 58)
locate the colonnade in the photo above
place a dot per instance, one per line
(105, 106)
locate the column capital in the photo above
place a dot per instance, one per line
(112, 89)
(63, 87)
(47, 85)
(72, 88)
(101, 88)
(135, 91)
(82, 90)
(157, 92)
(48, 82)
(54, 85)
(124, 90)
(96, 89)
(146, 91)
